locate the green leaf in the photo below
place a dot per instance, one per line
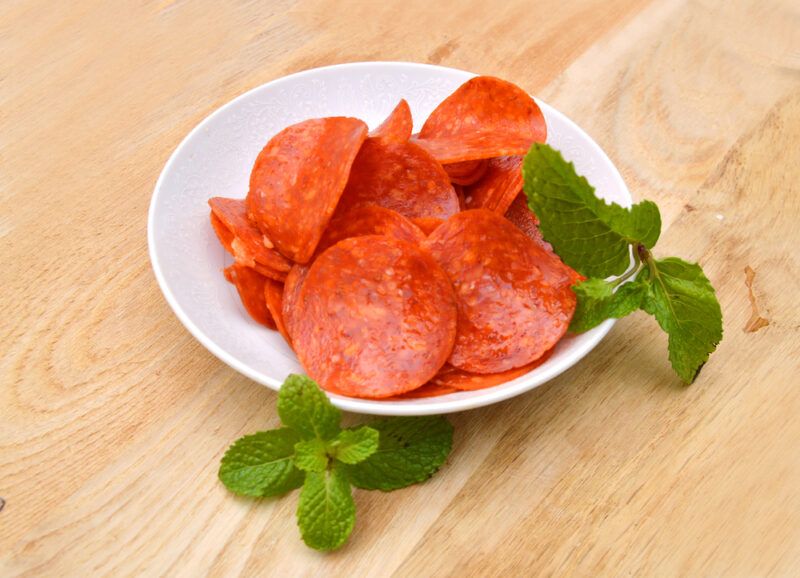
(304, 407)
(261, 464)
(683, 302)
(410, 451)
(326, 511)
(354, 445)
(592, 237)
(311, 455)
(597, 301)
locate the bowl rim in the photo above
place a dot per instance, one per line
(422, 406)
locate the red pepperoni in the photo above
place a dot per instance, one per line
(514, 298)
(401, 177)
(375, 317)
(430, 389)
(519, 214)
(450, 377)
(291, 292)
(250, 286)
(485, 117)
(369, 220)
(242, 239)
(460, 193)
(467, 172)
(498, 187)
(273, 294)
(428, 224)
(398, 125)
(298, 178)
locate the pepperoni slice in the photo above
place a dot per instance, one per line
(514, 298)
(498, 187)
(519, 214)
(375, 317)
(250, 286)
(273, 295)
(485, 117)
(298, 178)
(401, 177)
(428, 224)
(467, 172)
(369, 220)
(450, 377)
(398, 125)
(430, 389)
(242, 239)
(462, 205)
(291, 292)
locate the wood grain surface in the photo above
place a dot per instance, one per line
(113, 418)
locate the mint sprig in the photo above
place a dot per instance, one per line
(601, 240)
(314, 452)
(411, 450)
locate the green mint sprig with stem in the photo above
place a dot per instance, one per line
(612, 246)
(312, 452)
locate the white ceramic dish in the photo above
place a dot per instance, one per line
(215, 160)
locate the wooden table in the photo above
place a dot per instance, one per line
(113, 418)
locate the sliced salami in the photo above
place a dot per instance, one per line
(375, 317)
(298, 178)
(514, 298)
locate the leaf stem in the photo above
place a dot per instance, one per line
(637, 266)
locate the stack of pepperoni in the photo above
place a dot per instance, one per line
(400, 265)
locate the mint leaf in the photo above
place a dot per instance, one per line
(261, 464)
(304, 407)
(597, 301)
(354, 445)
(683, 302)
(326, 511)
(592, 237)
(311, 455)
(410, 451)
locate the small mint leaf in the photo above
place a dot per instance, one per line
(311, 455)
(304, 407)
(597, 301)
(410, 450)
(261, 464)
(683, 302)
(326, 511)
(352, 446)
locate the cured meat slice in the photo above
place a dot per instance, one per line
(450, 377)
(298, 178)
(524, 219)
(250, 286)
(519, 214)
(428, 224)
(498, 187)
(291, 292)
(514, 298)
(375, 317)
(242, 239)
(369, 220)
(430, 389)
(462, 205)
(401, 177)
(467, 172)
(273, 295)
(485, 117)
(398, 125)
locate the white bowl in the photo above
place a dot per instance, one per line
(215, 160)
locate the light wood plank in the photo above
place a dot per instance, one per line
(113, 419)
